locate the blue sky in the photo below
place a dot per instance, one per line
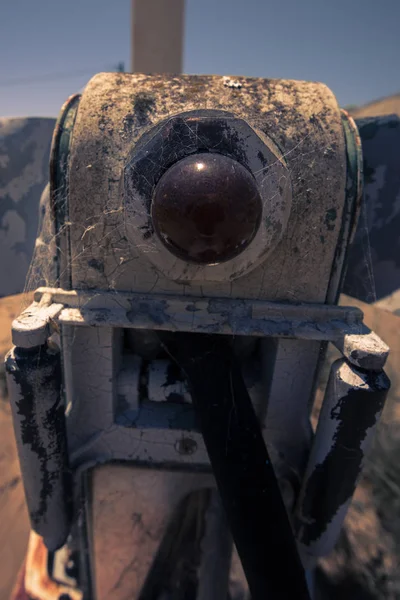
(50, 48)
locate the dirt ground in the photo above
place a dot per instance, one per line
(385, 106)
(366, 561)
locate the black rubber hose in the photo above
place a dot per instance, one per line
(244, 474)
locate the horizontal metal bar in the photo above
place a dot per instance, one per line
(206, 315)
(35, 324)
(277, 327)
(174, 447)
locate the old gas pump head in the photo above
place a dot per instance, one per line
(198, 230)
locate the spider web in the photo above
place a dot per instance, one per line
(43, 267)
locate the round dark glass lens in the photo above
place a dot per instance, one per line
(206, 208)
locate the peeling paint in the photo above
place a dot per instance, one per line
(287, 126)
(155, 311)
(351, 408)
(34, 378)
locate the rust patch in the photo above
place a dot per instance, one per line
(36, 582)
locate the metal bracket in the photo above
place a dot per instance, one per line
(341, 325)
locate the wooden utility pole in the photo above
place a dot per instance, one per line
(157, 36)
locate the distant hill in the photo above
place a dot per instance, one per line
(384, 106)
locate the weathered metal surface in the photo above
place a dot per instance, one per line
(141, 383)
(116, 109)
(181, 136)
(109, 444)
(97, 428)
(114, 112)
(36, 323)
(373, 270)
(139, 521)
(226, 318)
(141, 503)
(10, 308)
(34, 384)
(129, 379)
(366, 559)
(97, 432)
(175, 313)
(58, 210)
(371, 262)
(288, 370)
(24, 159)
(352, 405)
(352, 205)
(166, 383)
(364, 350)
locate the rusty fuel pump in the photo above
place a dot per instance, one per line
(193, 249)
